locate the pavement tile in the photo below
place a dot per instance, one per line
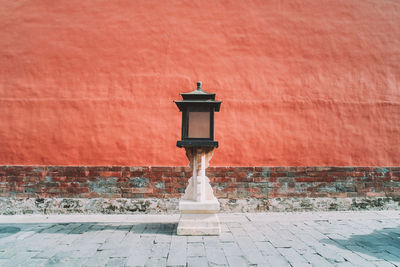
(238, 231)
(392, 250)
(363, 253)
(196, 250)
(177, 251)
(197, 262)
(356, 259)
(33, 263)
(8, 253)
(255, 258)
(293, 257)
(226, 237)
(194, 239)
(384, 264)
(176, 259)
(266, 248)
(316, 260)
(96, 260)
(160, 250)
(276, 260)
(215, 256)
(236, 261)
(83, 251)
(394, 259)
(329, 254)
(156, 262)
(163, 238)
(210, 240)
(138, 258)
(345, 264)
(19, 259)
(231, 249)
(65, 262)
(112, 262)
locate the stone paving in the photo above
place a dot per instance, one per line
(248, 239)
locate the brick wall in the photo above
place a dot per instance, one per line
(170, 182)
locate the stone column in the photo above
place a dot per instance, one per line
(199, 206)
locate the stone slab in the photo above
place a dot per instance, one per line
(189, 206)
(198, 224)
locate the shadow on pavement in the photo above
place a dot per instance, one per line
(80, 228)
(8, 230)
(381, 244)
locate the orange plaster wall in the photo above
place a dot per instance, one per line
(303, 82)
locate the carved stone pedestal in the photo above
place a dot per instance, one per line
(199, 206)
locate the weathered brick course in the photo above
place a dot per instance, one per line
(170, 182)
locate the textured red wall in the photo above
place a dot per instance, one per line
(303, 82)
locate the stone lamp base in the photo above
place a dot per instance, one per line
(199, 206)
(199, 218)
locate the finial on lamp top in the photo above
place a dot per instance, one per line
(199, 85)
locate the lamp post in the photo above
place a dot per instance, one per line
(198, 206)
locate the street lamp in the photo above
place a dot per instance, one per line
(198, 206)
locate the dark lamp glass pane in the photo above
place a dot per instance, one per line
(199, 125)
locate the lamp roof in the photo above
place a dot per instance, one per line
(198, 97)
(198, 94)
